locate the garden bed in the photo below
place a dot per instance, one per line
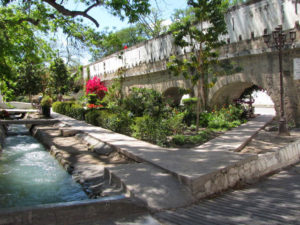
(146, 115)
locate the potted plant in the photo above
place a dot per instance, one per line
(46, 104)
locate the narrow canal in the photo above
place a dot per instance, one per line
(29, 175)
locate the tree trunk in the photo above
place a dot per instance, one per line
(60, 97)
(198, 104)
(30, 99)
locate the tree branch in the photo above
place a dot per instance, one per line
(30, 20)
(71, 13)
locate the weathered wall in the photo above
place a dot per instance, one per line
(146, 63)
(263, 71)
(245, 21)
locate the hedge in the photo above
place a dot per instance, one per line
(70, 109)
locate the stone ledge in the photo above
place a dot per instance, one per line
(2, 135)
(249, 170)
(72, 213)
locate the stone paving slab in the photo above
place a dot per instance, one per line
(276, 200)
(151, 184)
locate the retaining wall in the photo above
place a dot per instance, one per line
(248, 171)
(2, 135)
(102, 211)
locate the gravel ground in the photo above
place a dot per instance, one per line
(268, 140)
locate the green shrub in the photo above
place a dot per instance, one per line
(70, 109)
(62, 107)
(190, 102)
(151, 129)
(92, 116)
(77, 112)
(190, 111)
(176, 123)
(93, 99)
(46, 101)
(179, 139)
(189, 117)
(22, 99)
(226, 118)
(197, 139)
(56, 107)
(143, 101)
(117, 122)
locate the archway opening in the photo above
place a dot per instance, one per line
(173, 95)
(246, 93)
(256, 100)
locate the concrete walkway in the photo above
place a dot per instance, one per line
(191, 168)
(276, 200)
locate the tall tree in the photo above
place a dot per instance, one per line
(121, 8)
(112, 42)
(19, 43)
(152, 24)
(199, 33)
(23, 22)
(59, 77)
(30, 80)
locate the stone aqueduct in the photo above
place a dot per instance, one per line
(145, 63)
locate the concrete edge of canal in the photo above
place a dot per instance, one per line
(2, 135)
(77, 212)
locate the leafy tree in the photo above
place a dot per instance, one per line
(30, 81)
(121, 8)
(23, 23)
(152, 24)
(18, 44)
(199, 31)
(59, 77)
(112, 42)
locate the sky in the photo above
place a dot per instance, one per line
(107, 20)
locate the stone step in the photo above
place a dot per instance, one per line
(159, 189)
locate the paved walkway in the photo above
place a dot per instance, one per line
(189, 167)
(276, 200)
(215, 154)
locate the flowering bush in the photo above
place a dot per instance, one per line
(95, 86)
(93, 106)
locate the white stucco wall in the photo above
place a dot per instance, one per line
(242, 21)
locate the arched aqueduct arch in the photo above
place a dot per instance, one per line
(228, 88)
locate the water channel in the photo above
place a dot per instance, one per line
(29, 175)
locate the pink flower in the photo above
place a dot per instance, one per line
(95, 86)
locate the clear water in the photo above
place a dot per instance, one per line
(29, 175)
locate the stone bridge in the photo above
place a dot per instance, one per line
(144, 65)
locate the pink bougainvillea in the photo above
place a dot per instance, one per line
(95, 86)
